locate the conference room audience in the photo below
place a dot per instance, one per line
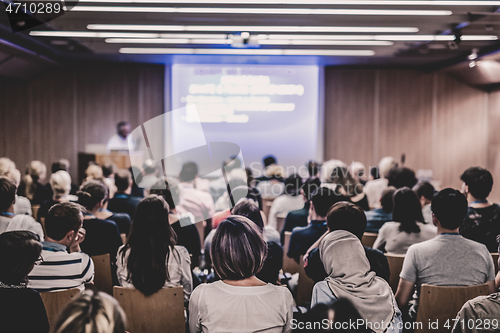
(374, 188)
(150, 260)
(349, 277)
(285, 203)
(31, 185)
(446, 260)
(21, 308)
(408, 227)
(60, 184)
(91, 312)
(123, 201)
(344, 216)
(22, 206)
(348, 186)
(303, 237)
(65, 266)
(425, 191)
(298, 218)
(238, 253)
(377, 217)
(8, 220)
(482, 222)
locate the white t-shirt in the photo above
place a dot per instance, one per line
(398, 242)
(178, 266)
(284, 204)
(21, 222)
(117, 142)
(220, 307)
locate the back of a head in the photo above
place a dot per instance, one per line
(188, 172)
(93, 171)
(60, 182)
(150, 242)
(245, 191)
(268, 160)
(108, 169)
(20, 250)
(407, 210)
(249, 208)
(6, 164)
(310, 186)
(479, 181)
(91, 193)
(402, 177)
(7, 193)
(450, 208)
(342, 177)
(293, 184)
(91, 312)
(63, 218)
(15, 176)
(162, 188)
(238, 249)
(385, 165)
(35, 172)
(324, 198)
(313, 168)
(274, 171)
(62, 164)
(123, 179)
(386, 199)
(149, 167)
(424, 189)
(346, 216)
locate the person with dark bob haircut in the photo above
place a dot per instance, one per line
(408, 227)
(425, 192)
(446, 260)
(482, 223)
(150, 260)
(238, 253)
(21, 308)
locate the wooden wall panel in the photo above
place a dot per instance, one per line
(493, 162)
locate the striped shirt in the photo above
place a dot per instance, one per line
(61, 270)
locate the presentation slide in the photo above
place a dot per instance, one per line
(263, 109)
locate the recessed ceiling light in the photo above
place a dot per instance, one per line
(229, 41)
(312, 2)
(274, 11)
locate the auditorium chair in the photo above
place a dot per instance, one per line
(368, 239)
(495, 261)
(280, 218)
(441, 304)
(305, 285)
(395, 265)
(56, 301)
(102, 273)
(162, 312)
(289, 265)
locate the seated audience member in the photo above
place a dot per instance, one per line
(150, 174)
(298, 218)
(408, 227)
(6, 165)
(374, 188)
(358, 171)
(425, 191)
(60, 184)
(446, 260)
(9, 221)
(290, 200)
(91, 312)
(303, 237)
(123, 201)
(31, 185)
(62, 164)
(102, 236)
(313, 168)
(150, 260)
(64, 265)
(402, 177)
(270, 161)
(182, 224)
(236, 178)
(345, 216)
(22, 206)
(94, 172)
(374, 173)
(191, 199)
(377, 217)
(271, 185)
(218, 186)
(349, 277)
(482, 222)
(108, 172)
(21, 308)
(238, 253)
(349, 187)
(483, 311)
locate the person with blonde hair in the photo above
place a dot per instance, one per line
(31, 185)
(22, 206)
(94, 172)
(374, 188)
(91, 312)
(60, 182)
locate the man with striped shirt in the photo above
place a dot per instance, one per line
(64, 266)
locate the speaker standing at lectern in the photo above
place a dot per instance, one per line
(119, 141)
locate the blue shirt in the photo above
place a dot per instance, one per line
(303, 237)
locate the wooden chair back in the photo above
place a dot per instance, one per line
(162, 312)
(34, 211)
(368, 239)
(441, 304)
(280, 218)
(495, 261)
(289, 265)
(56, 301)
(102, 273)
(266, 206)
(305, 285)
(395, 265)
